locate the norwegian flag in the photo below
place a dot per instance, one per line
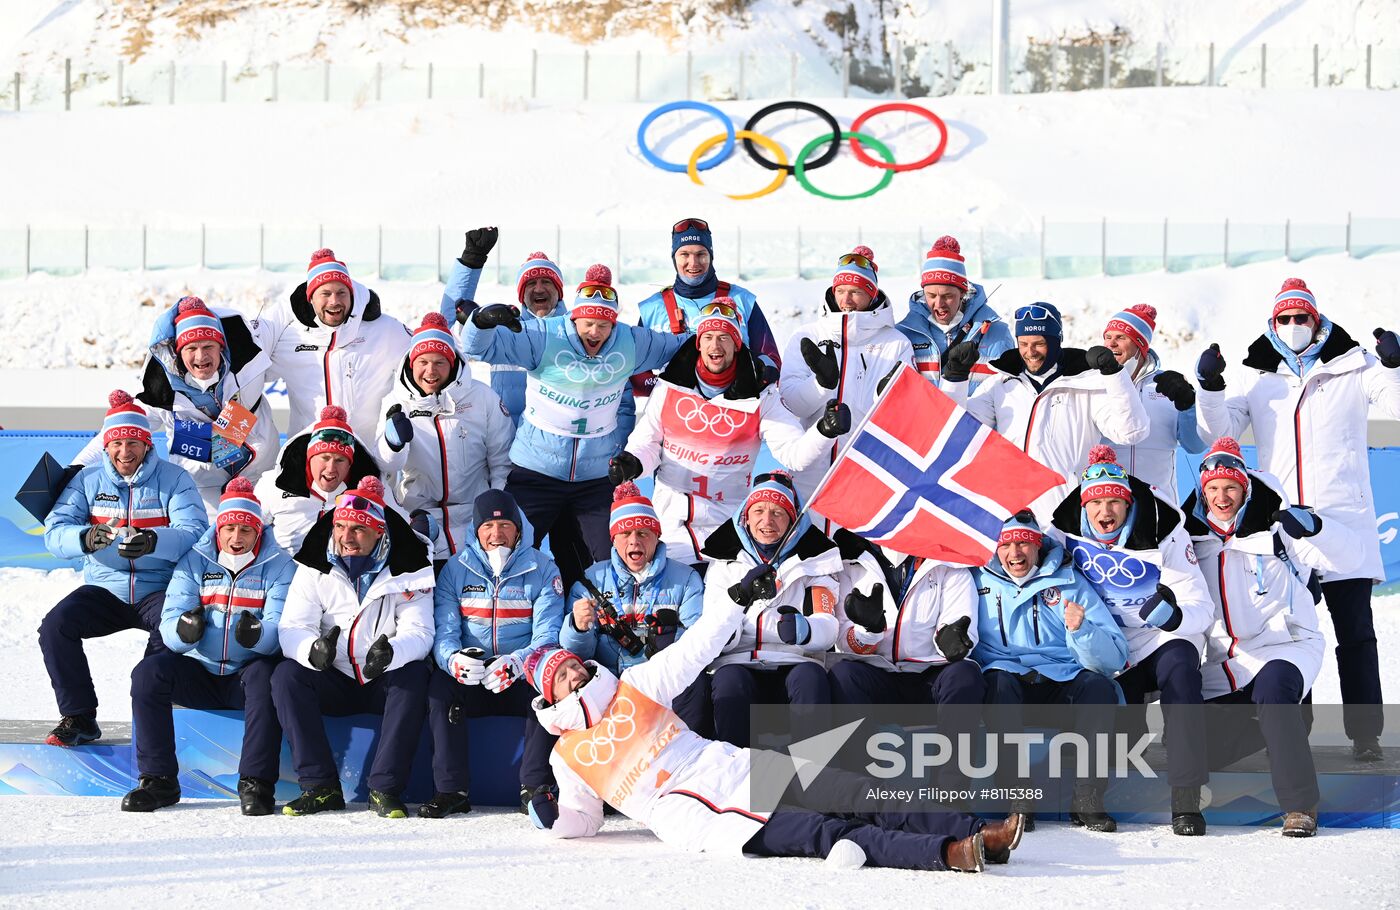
(924, 477)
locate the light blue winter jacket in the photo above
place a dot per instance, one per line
(554, 454)
(160, 496)
(260, 588)
(515, 613)
(1021, 627)
(665, 583)
(931, 343)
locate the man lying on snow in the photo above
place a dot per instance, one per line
(620, 741)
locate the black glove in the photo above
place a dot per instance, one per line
(953, 639)
(464, 309)
(793, 627)
(398, 429)
(867, 610)
(423, 524)
(1160, 610)
(323, 649)
(137, 545)
(377, 658)
(479, 244)
(1173, 385)
(1102, 359)
(1387, 348)
(488, 317)
(624, 466)
(1210, 369)
(248, 631)
(822, 362)
(759, 584)
(543, 808)
(97, 537)
(767, 374)
(190, 626)
(1298, 521)
(836, 420)
(661, 629)
(959, 360)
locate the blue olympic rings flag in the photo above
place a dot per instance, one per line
(1123, 579)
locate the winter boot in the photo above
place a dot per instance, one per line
(1000, 838)
(1366, 749)
(966, 855)
(152, 794)
(74, 730)
(255, 796)
(1187, 819)
(445, 804)
(317, 799)
(387, 805)
(1300, 824)
(1086, 810)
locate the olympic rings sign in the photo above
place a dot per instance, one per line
(702, 418)
(753, 141)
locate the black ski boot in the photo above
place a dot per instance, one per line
(255, 796)
(1187, 820)
(152, 794)
(445, 804)
(1087, 810)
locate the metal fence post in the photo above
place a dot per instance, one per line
(67, 83)
(794, 75)
(481, 79)
(617, 249)
(1042, 246)
(948, 49)
(143, 248)
(85, 248)
(1107, 78)
(897, 62)
(585, 74)
(320, 235)
(739, 251)
(1288, 239)
(534, 72)
(1348, 233)
(1103, 246)
(1315, 67)
(1054, 67)
(1225, 258)
(1368, 70)
(326, 81)
(1264, 65)
(430, 81)
(203, 245)
(637, 79)
(1164, 243)
(378, 81)
(27, 248)
(16, 92)
(379, 254)
(439, 247)
(1159, 64)
(223, 81)
(799, 251)
(171, 96)
(689, 74)
(743, 92)
(121, 79)
(846, 75)
(1210, 65)
(261, 248)
(274, 81)
(559, 242)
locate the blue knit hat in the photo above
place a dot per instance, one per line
(1039, 318)
(852, 271)
(691, 230)
(494, 505)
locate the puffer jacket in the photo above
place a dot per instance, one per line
(1021, 623)
(656, 313)
(808, 567)
(1154, 459)
(578, 408)
(460, 449)
(159, 497)
(260, 588)
(397, 602)
(351, 365)
(931, 342)
(513, 613)
(665, 584)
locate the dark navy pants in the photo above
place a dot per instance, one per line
(1093, 696)
(1358, 666)
(695, 707)
(1282, 728)
(573, 513)
(90, 612)
(896, 840)
(452, 742)
(302, 695)
(734, 687)
(166, 679)
(1174, 670)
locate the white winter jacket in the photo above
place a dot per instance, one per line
(398, 603)
(808, 571)
(703, 451)
(1154, 459)
(1157, 549)
(352, 365)
(460, 449)
(1258, 581)
(939, 593)
(1059, 425)
(1311, 432)
(620, 743)
(868, 345)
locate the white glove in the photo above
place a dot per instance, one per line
(467, 670)
(503, 672)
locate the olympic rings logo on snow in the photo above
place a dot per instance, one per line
(599, 748)
(717, 422)
(754, 140)
(1103, 569)
(575, 369)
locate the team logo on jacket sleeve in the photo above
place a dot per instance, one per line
(558, 585)
(1190, 553)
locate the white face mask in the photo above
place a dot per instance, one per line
(498, 557)
(235, 562)
(946, 327)
(202, 385)
(1297, 337)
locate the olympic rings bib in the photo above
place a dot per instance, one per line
(861, 144)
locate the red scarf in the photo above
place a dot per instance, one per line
(718, 380)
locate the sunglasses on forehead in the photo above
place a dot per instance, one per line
(1299, 318)
(1033, 312)
(686, 224)
(1222, 460)
(358, 503)
(783, 479)
(591, 292)
(1100, 471)
(856, 259)
(719, 309)
(339, 436)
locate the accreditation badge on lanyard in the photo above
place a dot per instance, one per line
(235, 422)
